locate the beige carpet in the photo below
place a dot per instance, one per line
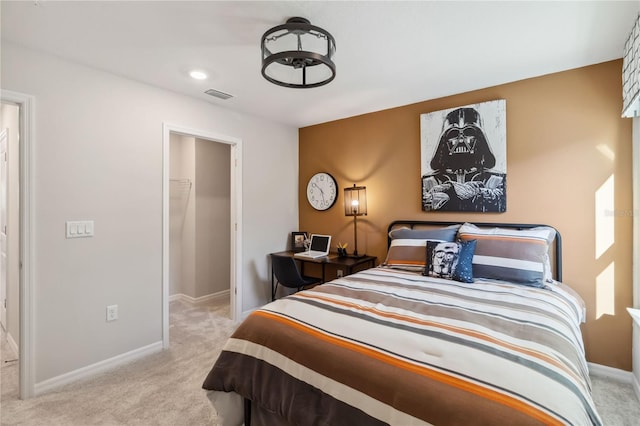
(162, 389)
(165, 388)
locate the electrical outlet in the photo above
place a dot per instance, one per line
(340, 273)
(112, 312)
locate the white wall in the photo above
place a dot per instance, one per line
(98, 156)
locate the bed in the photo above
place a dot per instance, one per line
(494, 339)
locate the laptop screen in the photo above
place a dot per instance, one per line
(320, 243)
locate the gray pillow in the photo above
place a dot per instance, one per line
(441, 234)
(518, 256)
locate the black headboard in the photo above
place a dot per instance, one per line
(557, 254)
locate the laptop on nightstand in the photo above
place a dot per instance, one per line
(320, 246)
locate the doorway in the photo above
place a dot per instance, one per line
(10, 222)
(4, 131)
(9, 243)
(233, 148)
(16, 118)
(199, 210)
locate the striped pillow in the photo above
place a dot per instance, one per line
(436, 234)
(407, 254)
(517, 256)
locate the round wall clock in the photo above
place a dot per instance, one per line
(322, 191)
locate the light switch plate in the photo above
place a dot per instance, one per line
(79, 228)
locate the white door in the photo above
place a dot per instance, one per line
(3, 228)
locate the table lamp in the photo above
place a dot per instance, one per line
(355, 204)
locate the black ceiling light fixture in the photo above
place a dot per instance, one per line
(298, 55)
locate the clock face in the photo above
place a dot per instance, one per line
(322, 191)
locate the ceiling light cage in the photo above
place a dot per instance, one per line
(298, 55)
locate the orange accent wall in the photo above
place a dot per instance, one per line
(566, 145)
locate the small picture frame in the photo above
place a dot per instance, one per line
(297, 241)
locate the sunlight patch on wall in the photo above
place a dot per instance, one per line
(605, 292)
(606, 151)
(605, 217)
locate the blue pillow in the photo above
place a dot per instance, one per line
(450, 260)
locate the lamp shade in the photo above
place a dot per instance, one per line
(298, 55)
(355, 201)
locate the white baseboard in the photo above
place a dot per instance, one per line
(221, 296)
(616, 374)
(99, 367)
(245, 314)
(622, 376)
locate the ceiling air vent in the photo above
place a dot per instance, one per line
(218, 94)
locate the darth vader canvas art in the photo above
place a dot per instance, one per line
(464, 158)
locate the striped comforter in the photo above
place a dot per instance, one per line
(392, 347)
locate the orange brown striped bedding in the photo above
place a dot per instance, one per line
(387, 346)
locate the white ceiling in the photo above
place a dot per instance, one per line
(389, 53)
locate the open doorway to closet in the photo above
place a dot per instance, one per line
(201, 220)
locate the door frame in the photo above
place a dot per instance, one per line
(26, 358)
(4, 135)
(635, 151)
(235, 225)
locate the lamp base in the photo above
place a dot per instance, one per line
(356, 256)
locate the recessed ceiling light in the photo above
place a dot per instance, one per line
(198, 75)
